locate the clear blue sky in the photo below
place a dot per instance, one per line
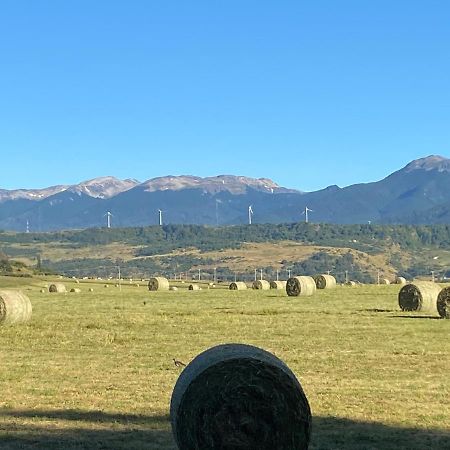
(308, 93)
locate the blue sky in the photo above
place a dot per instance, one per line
(308, 93)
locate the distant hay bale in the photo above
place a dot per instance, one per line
(303, 285)
(238, 286)
(351, 283)
(106, 286)
(277, 284)
(384, 281)
(76, 290)
(400, 280)
(194, 287)
(57, 287)
(419, 296)
(42, 291)
(443, 303)
(158, 284)
(77, 281)
(262, 285)
(237, 396)
(116, 285)
(91, 289)
(138, 285)
(15, 307)
(325, 281)
(173, 288)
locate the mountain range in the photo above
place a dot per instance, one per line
(419, 193)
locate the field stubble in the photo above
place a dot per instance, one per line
(95, 369)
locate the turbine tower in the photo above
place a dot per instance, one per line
(160, 217)
(250, 214)
(305, 212)
(108, 219)
(28, 226)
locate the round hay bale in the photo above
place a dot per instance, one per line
(400, 280)
(173, 288)
(351, 283)
(15, 307)
(158, 284)
(106, 286)
(278, 284)
(42, 291)
(443, 303)
(116, 285)
(303, 286)
(77, 281)
(263, 285)
(384, 281)
(91, 289)
(325, 281)
(237, 396)
(238, 286)
(57, 287)
(419, 296)
(76, 290)
(194, 287)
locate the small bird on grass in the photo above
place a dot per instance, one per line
(178, 363)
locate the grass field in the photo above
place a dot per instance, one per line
(95, 370)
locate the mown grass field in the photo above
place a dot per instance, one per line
(94, 370)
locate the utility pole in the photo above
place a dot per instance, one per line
(346, 276)
(289, 273)
(215, 275)
(199, 275)
(120, 280)
(378, 277)
(432, 276)
(261, 271)
(278, 273)
(255, 274)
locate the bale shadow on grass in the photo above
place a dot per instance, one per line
(331, 433)
(416, 317)
(49, 430)
(99, 430)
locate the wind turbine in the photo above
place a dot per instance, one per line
(108, 216)
(160, 217)
(305, 212)
(28, 227)
(250, 214)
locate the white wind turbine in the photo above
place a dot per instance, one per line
(160, 217)
(250, 214)
(108, 216)
(305, 212)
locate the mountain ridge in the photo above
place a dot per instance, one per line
(419, 192)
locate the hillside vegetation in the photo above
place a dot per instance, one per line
(360, 252)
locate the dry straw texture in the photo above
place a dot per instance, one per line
(57, 287)
(158, 284)
(325, 281)
(303, 286)
(419, 296)
(443, 303)
(238, 286)
(263, 285)
(15, 307)
(278, 284)
(237, 396)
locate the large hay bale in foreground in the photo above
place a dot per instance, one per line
(277, 284)
(237, 396)
(325, 281)
(194, 287)
(400, 280)
(443, 303)
(15, 307)
(384, 281)
(158, 284)
(303, 286)
(238, 286)
(263, 285)
(419, 296)
(57, 287)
